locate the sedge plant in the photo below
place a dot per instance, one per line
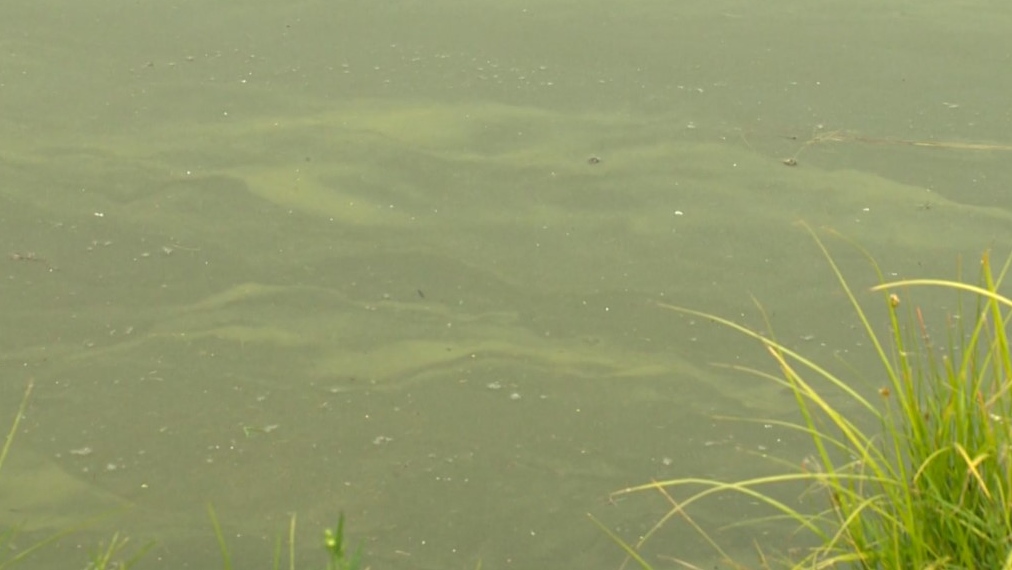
(929, 484)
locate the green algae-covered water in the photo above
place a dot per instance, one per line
(402, 259)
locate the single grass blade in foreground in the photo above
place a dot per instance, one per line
(9, 440)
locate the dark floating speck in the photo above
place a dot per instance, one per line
(594, 160)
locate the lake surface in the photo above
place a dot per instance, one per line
(403, 259)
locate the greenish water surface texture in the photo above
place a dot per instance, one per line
(402, 258)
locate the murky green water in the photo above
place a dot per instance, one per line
(400, 259)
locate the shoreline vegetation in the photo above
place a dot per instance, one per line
(928, 486)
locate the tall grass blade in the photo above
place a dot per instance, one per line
(226, 558)
(9, 440)
(629, 550)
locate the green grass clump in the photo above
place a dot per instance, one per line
(929, 484)
(338, 557)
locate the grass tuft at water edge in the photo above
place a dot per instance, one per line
(918, 477)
